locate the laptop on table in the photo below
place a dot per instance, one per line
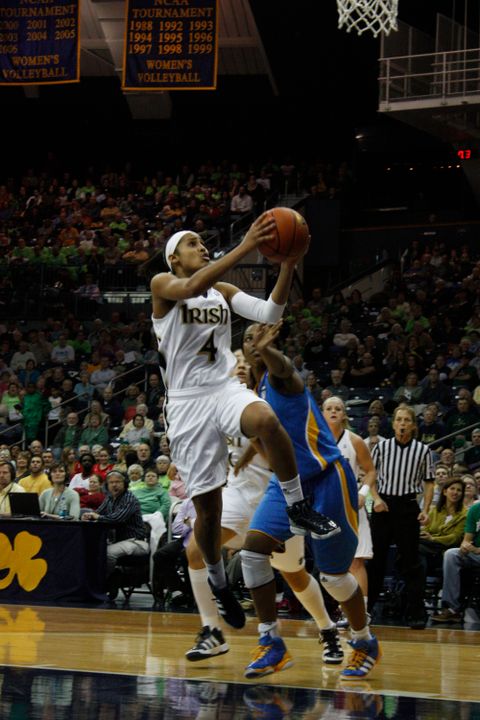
(24, 505)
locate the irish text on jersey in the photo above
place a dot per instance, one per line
(204, 316)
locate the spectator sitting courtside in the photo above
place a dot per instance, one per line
(7, 486)
(59, 500)
(454, 560)
(38, 480)
(122, 507)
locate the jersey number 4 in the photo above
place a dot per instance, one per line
(209, 348)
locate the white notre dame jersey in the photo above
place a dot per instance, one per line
(194, 341)
(345, 446)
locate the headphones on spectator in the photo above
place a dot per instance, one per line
(125, 478)
(11, 467)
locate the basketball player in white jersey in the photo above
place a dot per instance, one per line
(191, 320)
(354, 449)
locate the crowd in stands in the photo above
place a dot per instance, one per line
(88, 395)
(91, 233)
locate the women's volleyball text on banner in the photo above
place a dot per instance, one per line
(39, 42)
(170, 46)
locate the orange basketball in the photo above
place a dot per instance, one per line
(291, 236)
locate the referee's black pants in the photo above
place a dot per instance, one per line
(399, 526)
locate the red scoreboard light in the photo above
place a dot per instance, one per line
(464, 154)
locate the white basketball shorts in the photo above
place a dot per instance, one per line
(198, 423)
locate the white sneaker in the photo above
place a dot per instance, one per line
(209, 642)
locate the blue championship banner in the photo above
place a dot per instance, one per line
(39, 42)
(171, 45)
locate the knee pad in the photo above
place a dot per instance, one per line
(293, 559)
(256, 569)
(340, 587)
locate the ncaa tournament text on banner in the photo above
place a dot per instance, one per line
(170, 45)
(39, 42)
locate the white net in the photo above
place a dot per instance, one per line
(374, 15)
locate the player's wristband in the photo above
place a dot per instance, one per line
(364, 490)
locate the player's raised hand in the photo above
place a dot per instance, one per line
(264, 335)
(262, 230)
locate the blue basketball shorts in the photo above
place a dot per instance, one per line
(335, 494)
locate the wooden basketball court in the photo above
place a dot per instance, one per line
(435, 665)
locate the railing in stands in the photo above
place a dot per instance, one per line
(67, 403)
(9, 430)
(81, 412)
(441, 440)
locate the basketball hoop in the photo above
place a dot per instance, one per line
(361, 15)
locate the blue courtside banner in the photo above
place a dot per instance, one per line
(39, 42)
(171, 45)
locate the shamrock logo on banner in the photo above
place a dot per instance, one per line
(20, 561)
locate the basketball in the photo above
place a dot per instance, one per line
(291, 236)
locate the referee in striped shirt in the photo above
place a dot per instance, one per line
(404, 469)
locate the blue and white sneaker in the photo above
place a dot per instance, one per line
(366, 654)
(271, 655)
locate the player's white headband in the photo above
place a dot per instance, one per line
(172, 244)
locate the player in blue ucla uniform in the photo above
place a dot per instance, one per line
(329, 481)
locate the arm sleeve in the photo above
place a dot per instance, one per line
(264, 311)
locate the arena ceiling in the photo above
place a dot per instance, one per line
(241, 51)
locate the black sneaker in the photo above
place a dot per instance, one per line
(304, 519)
(209, 642)
(228, 606)
(332, 649)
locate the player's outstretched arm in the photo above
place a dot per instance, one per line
(263, 311)
(169, 287)
(281, 289)
(278, 365)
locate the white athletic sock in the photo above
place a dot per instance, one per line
(363, 634)
(292, 490)
(206, 604)
(268, 628)
(312, 600)
(216, 574)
